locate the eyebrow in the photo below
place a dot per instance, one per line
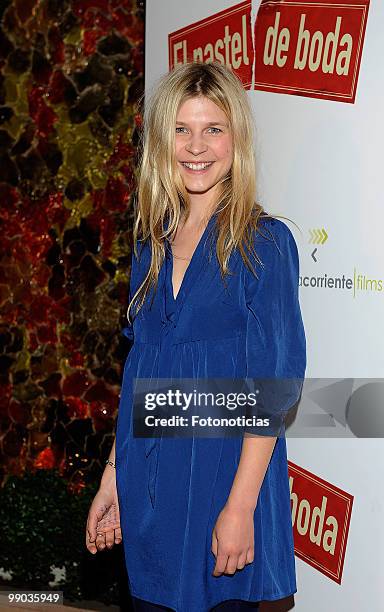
(208, 123)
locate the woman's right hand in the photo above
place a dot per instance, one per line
(103, 524)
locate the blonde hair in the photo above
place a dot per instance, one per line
(161, 194)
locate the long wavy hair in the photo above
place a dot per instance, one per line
(161, 198)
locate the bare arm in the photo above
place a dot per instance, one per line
(108, 479)
(254, 460)
(233, 535)
(103, 524)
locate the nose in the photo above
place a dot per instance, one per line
(196, 144)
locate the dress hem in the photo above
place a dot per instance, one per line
(270, 597)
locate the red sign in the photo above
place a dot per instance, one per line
(307, 48)
(321, 514)
(225, 37)
(310, 48)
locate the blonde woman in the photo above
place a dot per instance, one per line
(205, 522)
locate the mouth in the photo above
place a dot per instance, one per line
(200, 167)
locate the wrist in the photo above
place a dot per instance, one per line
(108, 479)
(237, 504)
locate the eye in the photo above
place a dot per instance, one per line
(180, 128)
(216, 130)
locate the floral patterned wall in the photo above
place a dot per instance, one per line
(71, 72)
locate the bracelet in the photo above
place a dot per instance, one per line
(108, 462)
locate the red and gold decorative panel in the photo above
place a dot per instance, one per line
(71, 72)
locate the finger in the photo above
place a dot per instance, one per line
(91, 546)
(110, 538)
(231, 564)
(100, 541)
(91, 526)
(250, 555)
(214, 544)
(221, 562)
(242, 561)
(118, 535)
(89, 539)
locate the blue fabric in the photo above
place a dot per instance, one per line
(171, 490)
(231, 605)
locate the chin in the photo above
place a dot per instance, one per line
(198, 188)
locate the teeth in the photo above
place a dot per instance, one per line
(200, 166)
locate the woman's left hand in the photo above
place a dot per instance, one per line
(233, 540)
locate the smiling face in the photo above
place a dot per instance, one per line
(204, 147)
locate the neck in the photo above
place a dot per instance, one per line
(202, 208)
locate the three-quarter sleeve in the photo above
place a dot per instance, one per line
(275, 339)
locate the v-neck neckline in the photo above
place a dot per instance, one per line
(187, 272)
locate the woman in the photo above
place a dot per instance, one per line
(214, 289)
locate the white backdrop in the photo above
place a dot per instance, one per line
(320, 163)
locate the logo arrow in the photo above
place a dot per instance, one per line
(317, 236)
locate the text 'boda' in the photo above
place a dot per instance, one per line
(312, 50)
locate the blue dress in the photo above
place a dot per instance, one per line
(171, 490)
